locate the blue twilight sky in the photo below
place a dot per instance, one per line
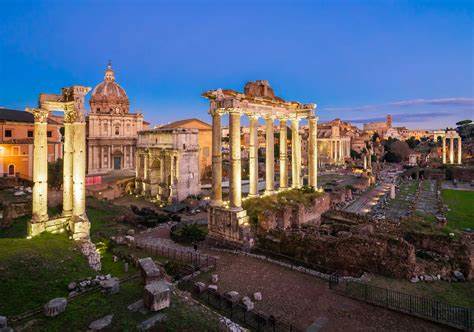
(358, 60)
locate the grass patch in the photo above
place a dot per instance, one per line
(278, 202)
(460, 203)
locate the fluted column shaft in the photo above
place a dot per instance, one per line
(253, 157)
(283, 155)
(235, 189)
(216, 159)
(67, 169)
(313, 153)
(451, 150)
(459, 151)
(40, 167)
(79, 169)
(269, 156)
(444, 149)
(295, 154)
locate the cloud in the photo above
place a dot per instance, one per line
(456, 101)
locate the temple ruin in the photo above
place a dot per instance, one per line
(451, 135)
(73, 217)
(228, 221)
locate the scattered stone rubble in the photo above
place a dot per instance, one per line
(227, 325)
(89, 250)
(110, 286)
(101, 323)
(75, 288)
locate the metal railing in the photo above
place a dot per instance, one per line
(185, 256)
(430, 309)
(237, 312)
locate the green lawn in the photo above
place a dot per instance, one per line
(461, 205)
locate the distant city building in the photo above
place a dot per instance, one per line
(111, 129)
(167, 167)
(204, 141)
(16, 143)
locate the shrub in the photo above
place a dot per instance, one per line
(189, 233)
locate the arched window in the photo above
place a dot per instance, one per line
(117, 130)
(11, 170)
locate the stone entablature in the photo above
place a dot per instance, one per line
(167, 164)
(228, 222)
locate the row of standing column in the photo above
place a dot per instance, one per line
(235, 192)
(74, 165)
(339, 149)
(451, 149)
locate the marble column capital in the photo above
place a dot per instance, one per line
(40, 115)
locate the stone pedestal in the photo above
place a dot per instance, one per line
(157, 296)
(229, 226)
(55, 307)
(149, 271)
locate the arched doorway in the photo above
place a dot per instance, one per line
(11, 170)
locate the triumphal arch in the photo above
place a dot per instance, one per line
(450, 135)
(228, 221)
(73, 217)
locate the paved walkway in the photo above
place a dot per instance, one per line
(364, 203)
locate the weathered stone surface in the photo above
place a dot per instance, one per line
(459, 275)
(110, 286)
(150, 322)
(257, 296)
(232, 296)
(150, 272)
(226, 325)
(89, 250)
(71, 286)
(414, 279)
(214, 278)
(55, 306)
(200, 287)
(101, 323)
(157, 296)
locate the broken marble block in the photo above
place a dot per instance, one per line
(157, 296)
(110, 286)
(232, 296)
(212, 288)
(3, 322)
(214, 278)
(199, 287)
(150, 272)
(102, 323)
(55, 307)
(257, 296)
(248, 304)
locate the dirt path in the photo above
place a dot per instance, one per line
(303, 299)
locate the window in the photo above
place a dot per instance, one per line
(8, 133)
(117, 130)
(15, 151)
(98, 109)
(49, 133)
(30, 133)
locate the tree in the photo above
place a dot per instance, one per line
(55, 174)
(375, 136)
(401, 149)
(355, 154)
(412, 142)
(465, 129)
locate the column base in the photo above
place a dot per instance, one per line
(269, 192)
(229, 227)
(67, 213)
(80, 227)
(252, 195)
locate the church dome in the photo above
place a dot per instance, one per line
(108, 96)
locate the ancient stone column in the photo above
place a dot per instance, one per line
(269, 156)
(67, 166)
(369, 159)
(216, 158)
(313, 153)
(451, 150)
(283, 155)
(295, 154)
(79, 170)
(253, 157)
(235, 189)
(459, 151)
(444, 149)
(365, 160)
(40, 172)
